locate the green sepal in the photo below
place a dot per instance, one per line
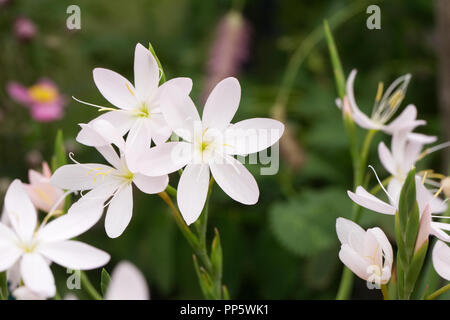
(225, 293)
(412, 230)
(163, 75)
(407, 200)
(104, 281)
(206, 284)
(414, 269)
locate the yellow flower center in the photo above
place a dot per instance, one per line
(43, 93)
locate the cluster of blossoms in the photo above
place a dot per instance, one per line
(369, 254)
(148, 113)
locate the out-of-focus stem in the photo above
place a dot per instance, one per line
(438, 292)
(88, 287)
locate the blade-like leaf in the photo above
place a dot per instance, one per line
(104, 282)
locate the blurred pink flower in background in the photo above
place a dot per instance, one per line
(229, 50)
(24, 28)
(43, 98)
(43, 195)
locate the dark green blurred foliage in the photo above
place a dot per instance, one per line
(286, 245)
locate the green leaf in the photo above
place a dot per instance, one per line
(59, 154)
(104, 282)
(216, 254)
(4, 293)
(305, 225)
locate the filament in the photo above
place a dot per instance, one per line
(381, 185)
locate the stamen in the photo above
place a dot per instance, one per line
(381, 185)
(379, 91)
(87, 103)
(438, 192)
(434, 149)
(129, 89)
(396, 98)
(424, 177)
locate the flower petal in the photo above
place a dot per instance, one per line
(350, 233)
(356, 263)
(119, 212)
(100, 133)
(80, 176)
(192, 191)
(222, 104)
(7, 236)
(406, 119)
(159, 128)
(127, 283)
(138, 140)
(151, 185)
(115, 88)
(179, 112)
(386, 158)
(165, 158)
(146, 72)
(252, 135)
(74, 255)
(24, 293)
(369, 201)
(181, 84)
(36, 274)
(441, 259)
(121, 120)
(21, 212)
(360, 118)
(82, 215)
(235, 180)
(9, 254)
(385, 245)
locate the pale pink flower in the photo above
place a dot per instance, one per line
(43, 99)
(31, 246)
(43, 195)
(114, 181)
(368, 254)
(209, 146)
(138, 109)
(24, 28)
(384, 108)
(229, 50)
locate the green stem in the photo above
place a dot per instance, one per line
(190, 237)
(346, 284)
(438, 292)
(171, 190)
(88, 287)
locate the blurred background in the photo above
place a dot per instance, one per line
(285, 247)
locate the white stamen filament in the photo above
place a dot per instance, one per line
(381, 185)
